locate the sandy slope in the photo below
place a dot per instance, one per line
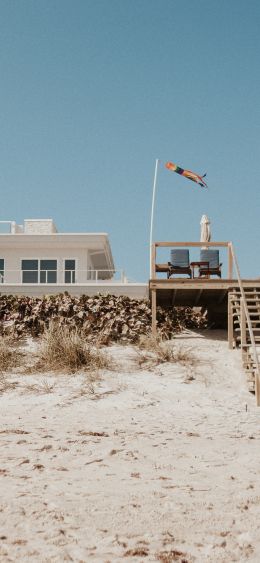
(172, 473)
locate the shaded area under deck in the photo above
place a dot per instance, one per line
(210, 294)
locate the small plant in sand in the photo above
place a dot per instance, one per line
(185, 357)
(170, 556)
(90, 385)
(5, 384)
(154, 350)
(149, 342)
(65, 348)
(44, 387)
(10, 357)
(154, 347)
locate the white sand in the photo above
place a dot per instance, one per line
(176, 471)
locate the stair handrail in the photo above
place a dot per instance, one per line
(249, 324)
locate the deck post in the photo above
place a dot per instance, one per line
(154, 312)
(153, 261)
(230, 262)
(230, 324)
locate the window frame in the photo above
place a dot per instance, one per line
(2, 271)
(39, 270)
(26, 270)
(47, 272)
(64, 270)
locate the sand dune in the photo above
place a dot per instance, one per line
(158, 464)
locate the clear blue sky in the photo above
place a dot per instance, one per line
(93, 91)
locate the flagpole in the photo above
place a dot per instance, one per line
(152, 212)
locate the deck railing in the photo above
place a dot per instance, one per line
(156, 245)
(244, 307)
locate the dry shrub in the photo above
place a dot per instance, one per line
(185, 357)
(44, 387)
(154, 350)
(10, 357)
(149, 342)
(171, 556)
(89, 386)
(5, 384)
(154, 345)
(65, 348)
(137, 552)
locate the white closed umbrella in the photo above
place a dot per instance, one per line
(205, 234)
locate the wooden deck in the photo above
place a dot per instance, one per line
(196, 292)
(208, 293)
(230, 302)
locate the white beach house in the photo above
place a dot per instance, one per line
(36, 259)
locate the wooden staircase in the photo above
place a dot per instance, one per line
(241, 309)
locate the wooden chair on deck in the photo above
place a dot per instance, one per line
(180, 262)
(212, 257)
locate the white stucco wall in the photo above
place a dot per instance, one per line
(14, 256)
(90, 251)
(132, 290)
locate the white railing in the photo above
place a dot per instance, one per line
(61, 277)
(109, 275)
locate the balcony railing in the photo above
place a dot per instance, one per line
(166, 246)
(62, 277)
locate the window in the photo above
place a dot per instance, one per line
(2, 270)
(69, 271)
(39, 271)
(48, 271)
(29, 271)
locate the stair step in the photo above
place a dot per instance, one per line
(257, 341)
(255, 323)
(249, 368)
(256, 330)
(249, 299)
(252, 303)
(250, 375)
(248, 296)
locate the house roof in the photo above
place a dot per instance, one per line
(97, 244)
